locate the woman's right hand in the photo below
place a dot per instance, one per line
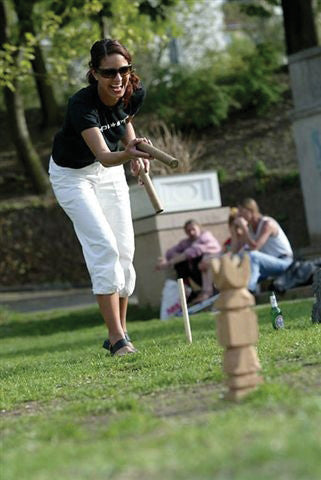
(132, 151)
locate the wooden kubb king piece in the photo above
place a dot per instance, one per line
(237, 328)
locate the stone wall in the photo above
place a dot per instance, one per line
(38, 247)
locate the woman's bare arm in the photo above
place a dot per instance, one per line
(95, 141)
(268, 229)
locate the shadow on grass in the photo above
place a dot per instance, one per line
(49, 324)
(64, 348)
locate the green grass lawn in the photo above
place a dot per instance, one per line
(68, 411)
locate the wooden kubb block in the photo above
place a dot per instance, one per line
(243, 381)
(231, 271)
(241, 361)
(236, 328)
(234, 299)
(235, 395)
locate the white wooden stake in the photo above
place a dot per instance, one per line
(182, 297)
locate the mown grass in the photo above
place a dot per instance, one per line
(69, 411)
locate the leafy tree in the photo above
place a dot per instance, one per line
(238, 79)
(298, 19)
(49, 105)
(14, 103)
(69, 28)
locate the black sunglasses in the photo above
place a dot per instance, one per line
(112, 72)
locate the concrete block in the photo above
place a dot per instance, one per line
(307, 135)
(305, 74)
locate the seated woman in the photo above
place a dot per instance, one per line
(234, 244)
(185, 258)
(269, 248)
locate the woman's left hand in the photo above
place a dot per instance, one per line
(135, 164)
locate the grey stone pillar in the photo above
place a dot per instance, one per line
(305, 75)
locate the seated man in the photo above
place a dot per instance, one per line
(269, 248)
(186, 256)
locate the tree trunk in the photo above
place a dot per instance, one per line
(17, 120)
(22, 141)
(49, 107)
(299, 26)
(103, 25)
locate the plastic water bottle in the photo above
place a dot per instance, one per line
(276, 314)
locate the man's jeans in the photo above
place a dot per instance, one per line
(263, 266)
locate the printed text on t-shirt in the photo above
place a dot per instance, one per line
(114, 124)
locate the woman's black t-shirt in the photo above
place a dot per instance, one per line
(86, 110)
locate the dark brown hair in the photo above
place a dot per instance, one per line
(103, 48)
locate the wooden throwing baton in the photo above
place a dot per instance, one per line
(158, 154)
(150, 189)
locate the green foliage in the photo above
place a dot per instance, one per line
(204, 96)
(66, 31)
(261, 8)
(222, 175)
(260, 170)
(257, 85)
(290, 178)
(262, 176)
(15, 62)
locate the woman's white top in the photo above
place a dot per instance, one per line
(278, 245)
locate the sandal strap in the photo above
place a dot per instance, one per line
(118, 345)
(127, 337)
(107, 344)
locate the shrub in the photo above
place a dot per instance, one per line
(260, 170)
(183, 147)
(196, 98)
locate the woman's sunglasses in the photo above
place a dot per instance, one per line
(112, 72)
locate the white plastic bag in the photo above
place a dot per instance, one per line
(171, 303)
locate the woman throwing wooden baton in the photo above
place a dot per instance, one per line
(87, 175)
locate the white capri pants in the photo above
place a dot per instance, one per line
(96, 199)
